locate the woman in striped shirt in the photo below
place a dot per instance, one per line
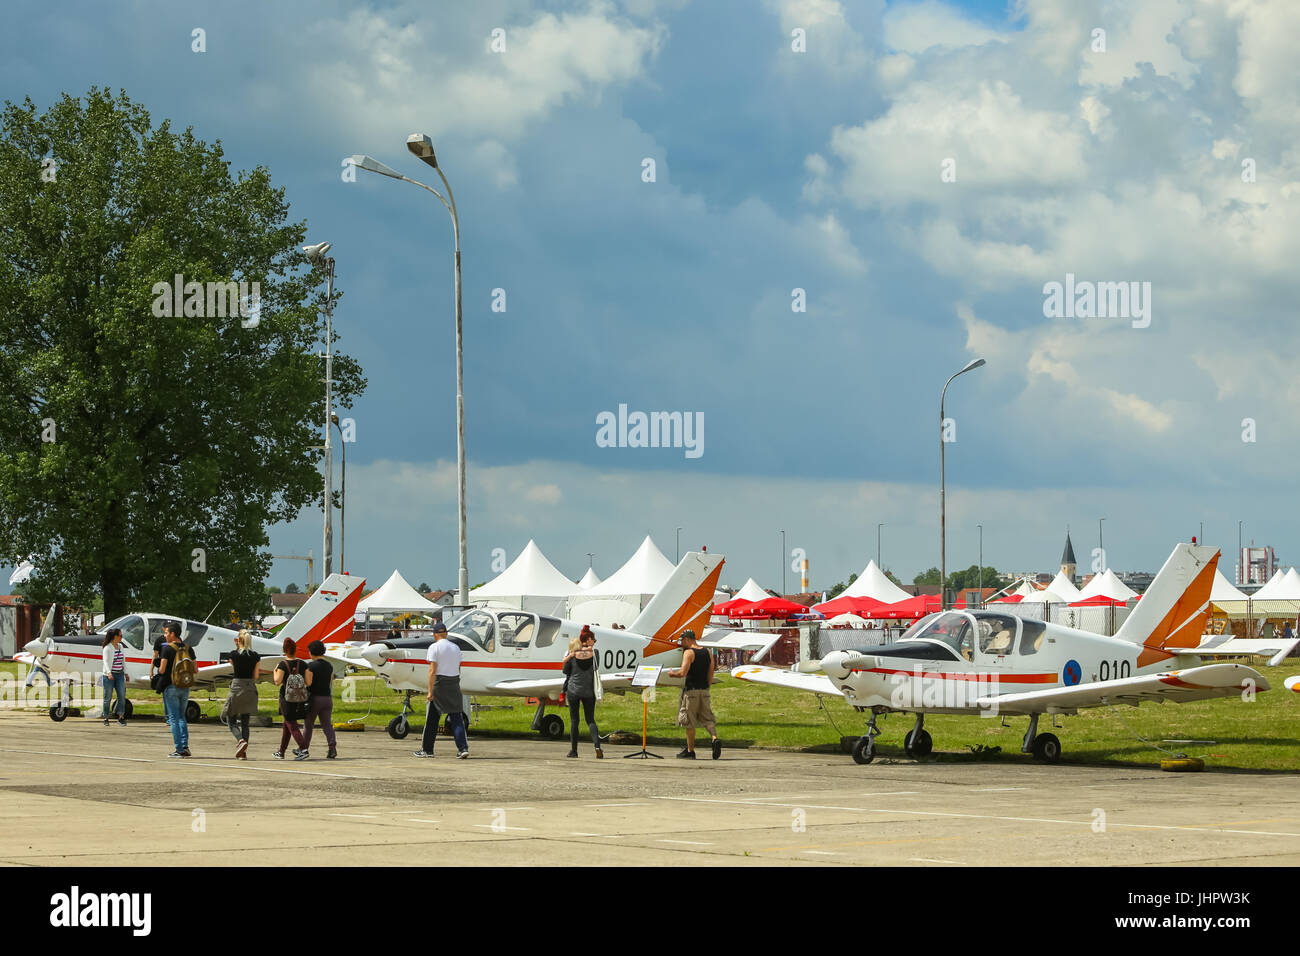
(114, 674)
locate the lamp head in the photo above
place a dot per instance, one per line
(421, 146)
(317, 252)
(975, 364)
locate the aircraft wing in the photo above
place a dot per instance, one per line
(780, 677)
(1277, 649)
(740, 641)
(612, 682)
(1181, 686)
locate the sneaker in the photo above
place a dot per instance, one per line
(176, 753)
(278, 755)
(600, 754)
(296, 751)
(463, 755)
(186, 752)
(687, 754)
(302, 755)
(572, 753)
(122, 721)
(717, 748)
(331, 754)
(105, 721)
(240, 747)
(421, 753)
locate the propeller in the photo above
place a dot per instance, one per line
(838, 664)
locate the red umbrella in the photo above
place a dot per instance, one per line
(726, 607)
(770, 607)
(1098, 600)
(849, 605)
(1008, 599)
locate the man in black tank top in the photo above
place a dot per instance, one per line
(694, 706)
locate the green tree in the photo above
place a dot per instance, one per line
(835, 592)
(928, 576)
(291, 589)
(143, 456)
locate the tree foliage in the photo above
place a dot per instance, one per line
(141, 456)
(960, 579)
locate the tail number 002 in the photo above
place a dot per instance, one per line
(618, 659)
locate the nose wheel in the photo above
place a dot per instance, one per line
(864, 751)
(1044, 747)
(400, 726)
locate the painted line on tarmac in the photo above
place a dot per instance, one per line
(359, 816)
(56, 753)
(497, 827)
(685, 842)
(996, 789)
(823, 852)
(419, 820)
(921, 859)
(590, 805)
(985, 816)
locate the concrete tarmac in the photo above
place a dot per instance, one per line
(83, 794)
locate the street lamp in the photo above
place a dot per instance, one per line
(981, 527)
(1241, 578)
(317, 255)
(421, 146)
(878, 527)
(943, 513)
(782, 564)
(679, 545)
(1101, 544)
(343, 509)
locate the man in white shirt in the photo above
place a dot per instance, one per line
(444, 695)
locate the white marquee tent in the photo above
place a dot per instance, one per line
(1063, 588)
(622, 596)
(1281, 587)
(531, 582)
(1106, 584)
(751, 592)
(396, 596)
(873, 583)
(589, 580)
(1223, 591)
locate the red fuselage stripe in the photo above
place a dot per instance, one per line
(983, 678)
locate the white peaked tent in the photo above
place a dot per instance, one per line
(589, 580)
(1063, 588)
(1223, 590)
(751, 592)
(872, 583)
(1108, 585)
(531, 583)
(395, 596)
(622, 596)
(1281, 587)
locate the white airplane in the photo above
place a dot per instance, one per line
(326, 616)
(991, 663)
(513, 653)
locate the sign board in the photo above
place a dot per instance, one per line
(647, 675)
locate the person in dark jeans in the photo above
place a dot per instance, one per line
(321, 706)
(290, 711)
(241, 702)
(444, 695)
(580, 678)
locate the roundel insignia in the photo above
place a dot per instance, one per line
(1071, 674)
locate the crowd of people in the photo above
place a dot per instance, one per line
(306, 699)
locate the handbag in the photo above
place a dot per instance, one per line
(595, 679)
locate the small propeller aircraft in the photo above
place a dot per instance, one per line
(326, 616)
(513, 653)
(992, 663)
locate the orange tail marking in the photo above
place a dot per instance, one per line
(1185, 622)
(335, 627)
(693, 614)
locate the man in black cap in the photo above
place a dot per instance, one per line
(444, 695)
(693, 708)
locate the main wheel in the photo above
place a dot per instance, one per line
(1046, 748)
(58, 713)
(918, 743)
(399, 727)
(126, 707)
(864, 751)
(192, 712)
(552, 726)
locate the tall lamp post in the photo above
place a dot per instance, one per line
(1101, 544)
(782, 564)
(422, 147)
(343, 500)
(679, 545)
(317, 254)
(1241, 568)
(981, 527)
(878, 527)
(943, 513)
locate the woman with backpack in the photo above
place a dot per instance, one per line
(241, 702)
(291, 676)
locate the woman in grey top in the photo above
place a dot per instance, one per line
(242, 699)
(580, 688)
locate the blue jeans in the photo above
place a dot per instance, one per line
(115, 683)
(174, 702)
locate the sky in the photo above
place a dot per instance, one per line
(916, 175)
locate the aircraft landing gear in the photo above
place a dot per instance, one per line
(864, 751)
(1044, 747)
(918, 742)
(399, 726)
(192, 711)
(126, 707)
(549, 725)
(59, 711)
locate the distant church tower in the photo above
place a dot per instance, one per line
(1067, 559)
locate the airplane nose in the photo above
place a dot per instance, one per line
(374, 654)
(37, 648)
(834, 666)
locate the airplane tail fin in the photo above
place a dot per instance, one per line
(1173, 610)
(328, 615)
(685, 601)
